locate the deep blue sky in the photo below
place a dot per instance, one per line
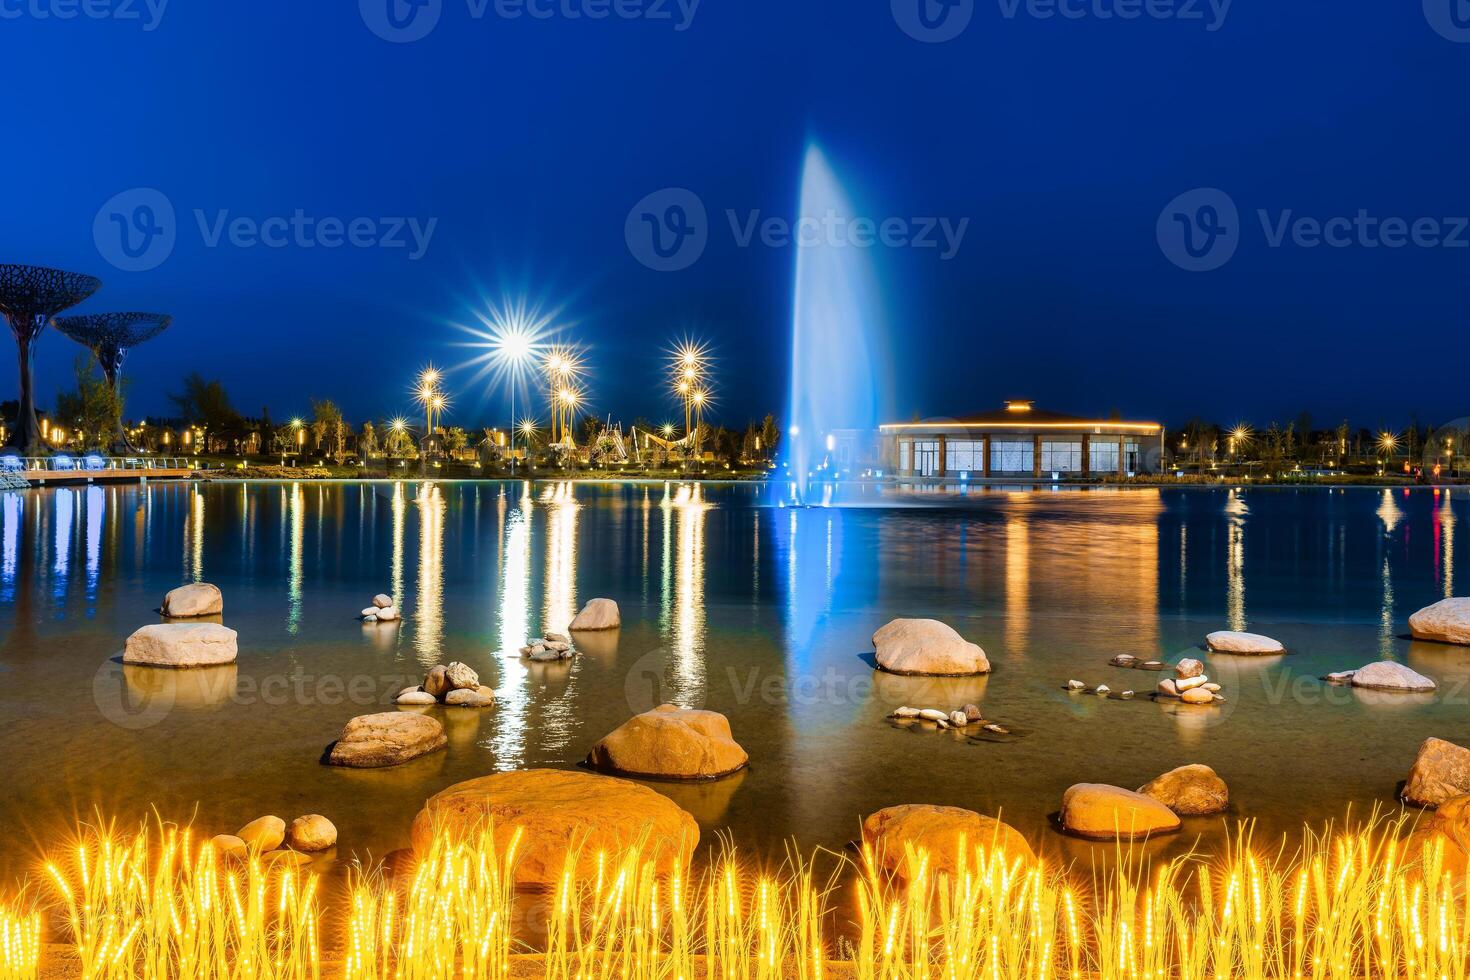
(1061, 140)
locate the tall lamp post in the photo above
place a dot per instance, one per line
(109, 336)
(30, 296)
(513, 347)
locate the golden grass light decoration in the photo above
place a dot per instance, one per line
(1359, 903)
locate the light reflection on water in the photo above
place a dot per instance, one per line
(764, 614)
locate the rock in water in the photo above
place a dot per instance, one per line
(1189, 791)
(671, 743)
(388, 738)
(1441, 771)
(464, 697)
(1449, 828)
(416, 697)
(311, 833)
(1187, 668)
(972, 713)
(263, 833)
(560, 637)
(181, 645)
(1104, 812)
(1385, 675)
(938, 831)
(1197, 695)
(1183, 684)
(1168, 688)
(199, 599)
(387, 614)
(382, 601)
(230, 846)
(551, 809)
(461, 677)
(1447, 621)
(1249, 644)
(436, 681)
(598, 614)
(927, 647)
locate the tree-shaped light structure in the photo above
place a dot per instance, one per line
(109, 336)
(30, 296)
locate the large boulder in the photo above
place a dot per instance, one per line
(1190, 791)
(554, 811)
(938, 831)
(671, 743)
(199, 599)
(1441, 771)
(1386, 675)
(1104, 812)
(1447, 621)
(598, 614)
(928, 647)
(388, 738)
(181, 645)
(1249, 644)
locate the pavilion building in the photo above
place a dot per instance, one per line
(1022, 441)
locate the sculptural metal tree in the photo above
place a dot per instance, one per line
(30, 296)
(109, 336)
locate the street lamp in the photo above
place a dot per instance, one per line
(512, 345)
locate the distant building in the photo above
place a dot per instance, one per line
(1021, 440)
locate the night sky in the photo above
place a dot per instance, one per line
(527, 140)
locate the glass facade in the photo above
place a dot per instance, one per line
(1102, 456)
(1061, 457)
(1013, 456)
(964, 456)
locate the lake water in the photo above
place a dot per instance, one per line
(762, 613)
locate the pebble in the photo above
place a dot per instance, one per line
(905, 712)
(1189, 683)
(416, 697)
(1194, 696)
(382, 601)
(972, 713)
(1124, 660)
(468, 698)
(997, 729)
(263, 833)
(557, 638)
(228, 845)
(1076, 685)
(1102, 689)
(1167, 687)
(461, 677)
(1212, 687)
(959, 719)
(1188, 667)
(933, 714)
(312, 832)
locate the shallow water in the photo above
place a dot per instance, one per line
(764, 614)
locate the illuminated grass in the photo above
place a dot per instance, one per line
(1339, 904)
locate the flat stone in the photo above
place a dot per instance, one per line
(263, 833)
(199, 599)
(905, 712)
(1182, 684)
(1103, 812)
(553, 809)
(1441, 771)
(312, 832)
(598, 614)
(927, 647)
(1190, 791)
(387, 614)
(1248, 644)
(1447, 621)
(382, 601)
(387, 738)
(1197, 695)
(557, 637)
(671, 743)
(464, 697)
(181, 645)
(416, 697)
(939, 832)
(1124, 660)
(1386, 675)
(371, 612)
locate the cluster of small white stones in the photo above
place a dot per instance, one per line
(1102, 690)
(549, 649)
(1190, 685)
(456, 685)
(382, 610)
(958, 718)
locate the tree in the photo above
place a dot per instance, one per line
(398, 442)
(328, 428)
(456, 440)
(204, 403)
(92, 411)
(367, 440)
(770, 436)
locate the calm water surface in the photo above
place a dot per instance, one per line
(764, 614)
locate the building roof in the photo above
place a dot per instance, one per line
(1020, 414)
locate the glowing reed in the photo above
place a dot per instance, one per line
(1356, 903)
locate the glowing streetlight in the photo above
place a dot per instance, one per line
(513, 345)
